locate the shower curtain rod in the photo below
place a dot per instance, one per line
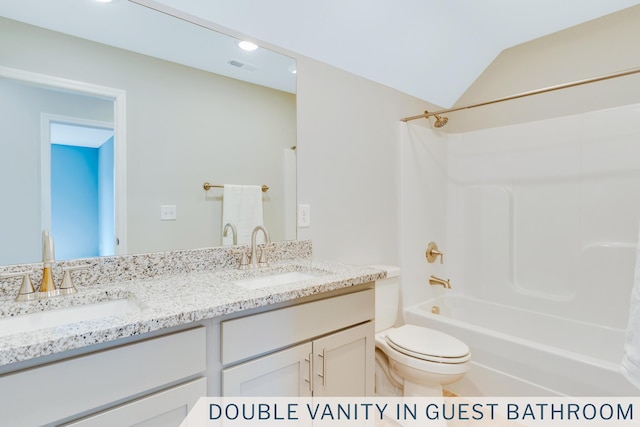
(525, 94)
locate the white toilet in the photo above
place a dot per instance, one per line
(412, 360)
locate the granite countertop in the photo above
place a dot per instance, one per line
(169, 301)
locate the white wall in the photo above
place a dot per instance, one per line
(599, 47)
(348, 138)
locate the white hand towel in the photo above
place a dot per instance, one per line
(242, 206)
(630, 366)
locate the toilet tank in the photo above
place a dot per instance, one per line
(387, 297)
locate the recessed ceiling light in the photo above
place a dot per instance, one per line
(104, 1)
(245, 45)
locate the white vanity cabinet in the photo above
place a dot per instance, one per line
(320, 348)
(153, 382)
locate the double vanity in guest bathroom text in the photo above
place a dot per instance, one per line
(145, 336)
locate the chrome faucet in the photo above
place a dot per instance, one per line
(433, 280)
(254, 257)
(234, 230)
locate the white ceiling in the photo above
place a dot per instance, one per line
(136, 28)
(431, 49)
(78, 135)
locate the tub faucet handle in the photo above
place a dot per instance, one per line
(433, 253)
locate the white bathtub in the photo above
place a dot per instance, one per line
(518, 352)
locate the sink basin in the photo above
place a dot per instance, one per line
(276, 279)
(64, 316)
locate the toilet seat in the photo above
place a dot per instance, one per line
(427, 344)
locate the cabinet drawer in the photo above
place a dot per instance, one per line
(165, 408)
(73, 386)
(251, 336)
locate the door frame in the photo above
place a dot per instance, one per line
(119, 97)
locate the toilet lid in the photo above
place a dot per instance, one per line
(428, 344)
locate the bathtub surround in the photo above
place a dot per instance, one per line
(552, 200)
(523, 213)
(631, 357)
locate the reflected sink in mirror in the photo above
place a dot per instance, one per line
(277, 279)
(65, 316)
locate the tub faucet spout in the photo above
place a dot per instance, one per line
(433, 280)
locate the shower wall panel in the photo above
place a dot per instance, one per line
(544, 215)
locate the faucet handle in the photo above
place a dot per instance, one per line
(263, 262)
(433, 253)
(244, 260)
(67, 287)
(27, 291)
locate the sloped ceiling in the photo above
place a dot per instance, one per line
(431, 49)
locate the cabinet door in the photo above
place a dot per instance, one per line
(284, 373)
(344, 362)
(166, 408)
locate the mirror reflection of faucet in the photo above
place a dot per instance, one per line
(234, 231)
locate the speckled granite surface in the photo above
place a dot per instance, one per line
(169, 299)
(116, 269)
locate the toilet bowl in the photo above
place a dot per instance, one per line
(412, 360)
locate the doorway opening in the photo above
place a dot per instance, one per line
(82, 188)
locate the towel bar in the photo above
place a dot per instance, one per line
(207, 186)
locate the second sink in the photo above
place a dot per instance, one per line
(276, 279)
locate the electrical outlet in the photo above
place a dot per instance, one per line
(168, 213)
(304, 216)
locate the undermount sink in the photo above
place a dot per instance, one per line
(64, 316)
(276, 279)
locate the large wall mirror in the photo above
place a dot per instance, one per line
(163, 104)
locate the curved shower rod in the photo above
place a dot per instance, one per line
(437, 114)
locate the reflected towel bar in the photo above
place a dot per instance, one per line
(208, 187)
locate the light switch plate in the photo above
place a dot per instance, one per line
(304, 216)
(168, 213)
